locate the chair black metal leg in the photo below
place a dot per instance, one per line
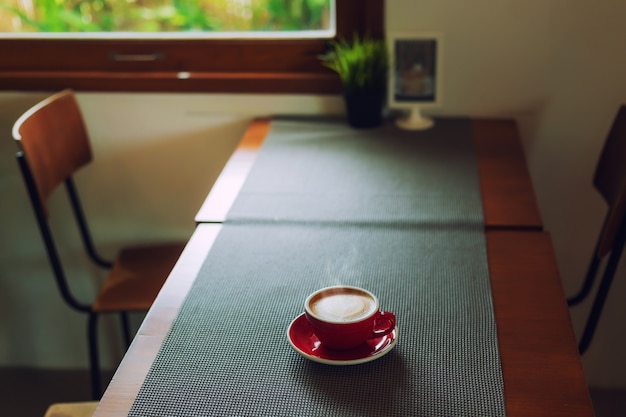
(94, 363)
(587, 284)
(125, 328)
(601, 296)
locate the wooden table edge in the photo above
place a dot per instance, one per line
(541, 367)
(228, 184)
(508, 200)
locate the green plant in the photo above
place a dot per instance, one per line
(361, 64)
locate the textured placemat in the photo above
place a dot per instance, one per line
(227, 354)
(323, 170)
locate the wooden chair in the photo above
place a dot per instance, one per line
(53, 144)
(610, 181)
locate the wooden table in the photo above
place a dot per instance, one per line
(541, 367)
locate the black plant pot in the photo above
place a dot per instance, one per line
(364, 110)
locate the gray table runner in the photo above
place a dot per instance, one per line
(322, 170)
(227, 353)
(396, 212)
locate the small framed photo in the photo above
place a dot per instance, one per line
(415, 75)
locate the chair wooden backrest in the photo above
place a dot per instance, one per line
(53, 144)
(53, 136)
(610, 181)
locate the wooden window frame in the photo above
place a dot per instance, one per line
(177, 65)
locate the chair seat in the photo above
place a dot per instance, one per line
(80, 409)
(137, 277)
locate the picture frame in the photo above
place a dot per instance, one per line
(415, 68)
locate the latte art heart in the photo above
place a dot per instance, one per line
(340, 307)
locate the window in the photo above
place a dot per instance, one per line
(253, 65)
(168, 18)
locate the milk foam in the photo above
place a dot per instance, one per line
(343, 307)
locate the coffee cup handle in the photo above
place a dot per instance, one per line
(385, 323)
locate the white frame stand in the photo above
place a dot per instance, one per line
(415, 120)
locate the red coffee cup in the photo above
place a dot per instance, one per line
(343, 317)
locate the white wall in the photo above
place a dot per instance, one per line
(556, 65)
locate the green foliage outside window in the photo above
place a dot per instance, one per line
(163, 15)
